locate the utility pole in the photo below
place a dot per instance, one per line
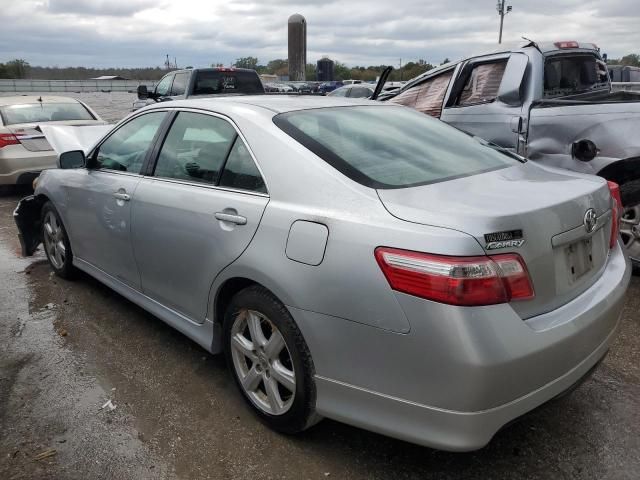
(502, 12)
(400, 69)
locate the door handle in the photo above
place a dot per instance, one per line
(228, 217)
(122, 196)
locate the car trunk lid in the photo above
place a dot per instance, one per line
(32, 138)
(536, 212)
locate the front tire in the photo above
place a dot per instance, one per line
(56, 242)
(270, 360)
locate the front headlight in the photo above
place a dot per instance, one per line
(34, 184)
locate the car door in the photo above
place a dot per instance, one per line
(196, 212)
(99, 198)
(481, 100)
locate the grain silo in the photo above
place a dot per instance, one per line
(297, 47)
(324, 71)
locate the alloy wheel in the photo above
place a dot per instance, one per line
(630, 231)
(54, 240)
(263, 363)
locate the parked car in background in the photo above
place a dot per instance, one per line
(200, 82)
(357, 90)
(486, 284)
(300, 87)
(326, 87)
(24, 151)
(551, 102)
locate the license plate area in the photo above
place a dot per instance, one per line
(579, 258)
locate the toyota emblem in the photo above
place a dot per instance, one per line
(590, 220)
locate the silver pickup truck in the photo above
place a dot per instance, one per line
(550, 102)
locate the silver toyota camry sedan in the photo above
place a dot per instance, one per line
(353, 260)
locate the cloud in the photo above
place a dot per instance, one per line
(100, 7)
(359, 32)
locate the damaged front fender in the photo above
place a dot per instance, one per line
(27, 216)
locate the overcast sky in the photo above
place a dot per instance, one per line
(128, 33)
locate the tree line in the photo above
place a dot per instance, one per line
(19, 68)
(341, 71)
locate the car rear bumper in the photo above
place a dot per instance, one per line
(435, 427)
(460, 374)
(23, 169)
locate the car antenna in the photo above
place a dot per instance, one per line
(40, 98)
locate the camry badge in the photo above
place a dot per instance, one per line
(508, 239)
(590, 220)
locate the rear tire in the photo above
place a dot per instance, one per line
(56, 242)
(270, 360)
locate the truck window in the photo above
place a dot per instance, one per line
(570, 74)
(231, 81)
(483, 83)
(428, 96)
(164, 86)
(179, 84)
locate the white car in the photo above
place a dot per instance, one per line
(24, 151)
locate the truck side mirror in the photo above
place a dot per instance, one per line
(511, 88)
(143, 93)
(71, 159)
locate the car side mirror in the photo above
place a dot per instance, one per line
(143, 93)
(72, 159)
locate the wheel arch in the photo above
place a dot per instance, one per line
(223, 291)
(625, 173)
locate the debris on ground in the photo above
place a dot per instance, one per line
(109, 405)
(50, 452)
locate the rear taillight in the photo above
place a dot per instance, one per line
(467, 281)
(8, 139)
(616, 212)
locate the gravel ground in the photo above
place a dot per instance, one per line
(66, 348)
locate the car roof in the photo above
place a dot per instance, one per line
(272, 103)
(21, 99)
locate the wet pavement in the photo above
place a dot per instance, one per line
(67, 347)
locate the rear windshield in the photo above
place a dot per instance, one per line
(211, 83)
(390, 147)
(566, 75)
(44, 112)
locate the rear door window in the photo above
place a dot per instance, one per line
(428, 96)
(195, 148)
(240, 171)
(483, 83)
